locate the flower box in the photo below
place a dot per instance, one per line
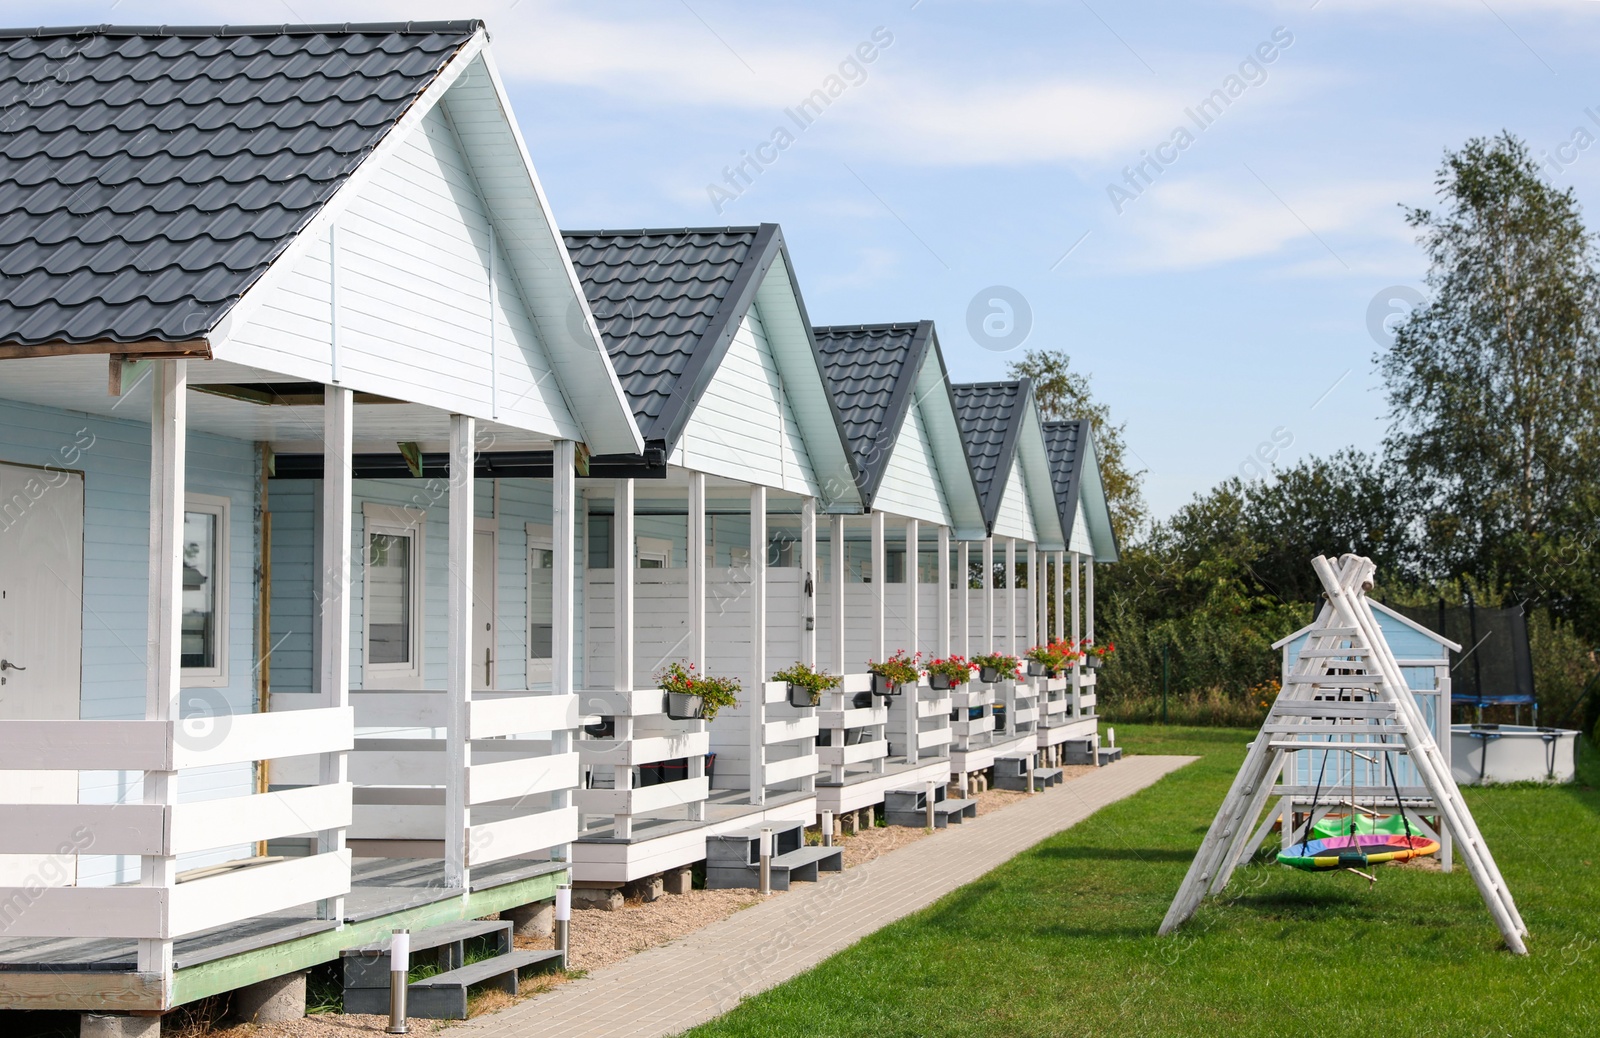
(988, 675)
(802, 698)
(682, 707)
(882, 686)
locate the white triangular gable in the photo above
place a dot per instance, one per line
(1015, 517)
(743, 426)
(912, 487)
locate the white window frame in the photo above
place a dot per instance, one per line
(540, 538)
(654, 549)
(222, 572)
(396, 522)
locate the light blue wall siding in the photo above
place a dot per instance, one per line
(293, 506)
(116, 525)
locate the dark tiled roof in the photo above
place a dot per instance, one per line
(665, 300)
(990, 415)
(871, 372)
(148, 176)
(1062, 442)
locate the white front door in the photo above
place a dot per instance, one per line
(483, 646)
(41, 637)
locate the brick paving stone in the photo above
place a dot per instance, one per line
(669, 989)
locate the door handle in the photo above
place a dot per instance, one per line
(6, 665)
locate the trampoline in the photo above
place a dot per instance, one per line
(1358, 851)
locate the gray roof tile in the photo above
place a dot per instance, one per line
(149, 176)
(990, 415)
(660, 298)
(870, 371)
(1062, 442)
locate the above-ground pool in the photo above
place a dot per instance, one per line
(1481, 753)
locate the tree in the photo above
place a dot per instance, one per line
(1494, 386)
(1064, 393)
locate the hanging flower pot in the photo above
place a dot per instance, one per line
(988, 675)
(894, 673)
(1095, 662)
(996, 666)
(802, 698)
(941, 682)
(684, 707)
(806, 684)
(1037, 669)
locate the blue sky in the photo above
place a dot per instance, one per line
(1224, 309)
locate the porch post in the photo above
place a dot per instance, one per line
(168, 432)
(458, 655)
(836, 629)
(338, 460)
(1031, 610)
(696, 562)
(879, 584)
(1061, 594)
(836, 589)
(1088, 597)
(808, 564)
(1077, 629)
(622, 618)
(943, 646)
(964, 603)
(1011, 595)
(913, 622)
(1039, 583)
(563, 541)
(758, 645)
(988, 595)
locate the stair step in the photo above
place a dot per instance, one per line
(444, 995)
(954, 811)
(798, 866)
(367, 966)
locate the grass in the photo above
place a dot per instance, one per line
(1061, 940)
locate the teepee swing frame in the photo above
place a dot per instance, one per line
(1345, 684)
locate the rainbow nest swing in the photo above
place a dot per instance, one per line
(1356, 842)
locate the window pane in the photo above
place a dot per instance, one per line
(541, 600)
(199, 589)
(388, 598)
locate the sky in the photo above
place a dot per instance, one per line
(1048, 175)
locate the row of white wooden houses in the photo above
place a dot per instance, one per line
(348, 509)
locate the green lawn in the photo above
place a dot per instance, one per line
(1061, 940)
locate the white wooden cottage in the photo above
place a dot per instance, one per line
(886, 580)
(1005, 448)
(711, 563)
(294, 374)
(1067, 710)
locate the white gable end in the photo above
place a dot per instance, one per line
(743, 427)
(412, 297)
(911, 485)
(1080, 532)
(1015, 518)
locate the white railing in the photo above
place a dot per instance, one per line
(856, 735)
(789, 741)
(162, 750)
(516, 786)
(932, 714)
(643, 736)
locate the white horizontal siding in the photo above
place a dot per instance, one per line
(115, 461)
(911, 484)
(1015, 517)
(743, 427)
(1080, 532)
(413, 298)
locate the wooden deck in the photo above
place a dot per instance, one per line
(83, 973)
(659, 844)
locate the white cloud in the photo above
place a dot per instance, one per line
(1348, 227)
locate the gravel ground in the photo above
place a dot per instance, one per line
(601, 938)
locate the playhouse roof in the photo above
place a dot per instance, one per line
(1390, 622)
(1075, 475)
(149, 176)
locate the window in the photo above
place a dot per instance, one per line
(391, 608)
(204, 625)
(653, 552)
(541, 604)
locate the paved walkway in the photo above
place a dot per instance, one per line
(674, 987)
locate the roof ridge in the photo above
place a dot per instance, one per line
(641, 231)
(835, 329)
(284, 29)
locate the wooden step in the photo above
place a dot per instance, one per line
(804, 865)
(953, 811)
(367, 966)
(444, 995)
